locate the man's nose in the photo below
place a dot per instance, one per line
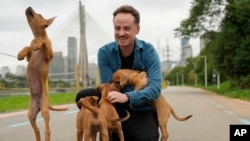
(121, 32)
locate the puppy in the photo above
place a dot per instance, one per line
(90, 120)
(38, 54)
(124, 77)
(113, 120)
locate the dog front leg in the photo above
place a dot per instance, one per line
(25, 52)
(48, 50)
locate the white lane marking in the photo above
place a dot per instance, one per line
(245, 121)
(23, 123)
(71, 112)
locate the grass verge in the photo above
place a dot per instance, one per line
(21, 102)
(226, 89)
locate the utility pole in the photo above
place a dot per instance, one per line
(205, 69)
(158, 47)
(195, 74)
(168, 62)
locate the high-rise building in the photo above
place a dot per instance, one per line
(72, 58)
(5, 70)
(20, 70)
(184, 41)
(186, 51)
(57, 67)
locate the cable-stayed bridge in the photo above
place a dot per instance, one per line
(90, 37)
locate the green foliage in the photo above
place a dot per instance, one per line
(228, 45)
(228, 89)
(174, 77)
(232, 43)
(204, 16)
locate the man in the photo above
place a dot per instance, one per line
(128, 52)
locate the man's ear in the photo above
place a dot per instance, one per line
(137, 29)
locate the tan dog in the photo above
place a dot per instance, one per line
(90, 120)
(113, 120)
(124, 77)
(38, 54)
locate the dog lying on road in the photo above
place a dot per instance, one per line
(124, 77)
(90, 120)
(38, 54)
(113, 120)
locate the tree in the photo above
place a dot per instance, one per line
(229, 21)
(205, 16)
(233, 42)
(174, 77)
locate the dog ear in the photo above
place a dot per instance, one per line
(143, 73)
(113, 87)
(50, 21)
(79, 103)
(93, 100)
(123, 80)
(99, 87)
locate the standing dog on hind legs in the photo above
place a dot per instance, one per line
(38, 54)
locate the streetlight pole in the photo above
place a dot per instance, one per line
(177, 79)
(195, 74)
(182, 79)
(205, 69)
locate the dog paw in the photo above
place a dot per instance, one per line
(20, 57)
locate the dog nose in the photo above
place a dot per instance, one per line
(29, 11)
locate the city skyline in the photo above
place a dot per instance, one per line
(154, 27)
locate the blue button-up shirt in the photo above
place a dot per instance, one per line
(145, 59)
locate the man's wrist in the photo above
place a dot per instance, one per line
(127, 97)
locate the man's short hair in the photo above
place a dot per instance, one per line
(128, 9)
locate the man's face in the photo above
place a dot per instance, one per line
(125, 29)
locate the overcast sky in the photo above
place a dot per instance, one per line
(158, 20)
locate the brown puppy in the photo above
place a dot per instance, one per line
(124, 77)
(39, 55)
(113, 120)
(90, 120)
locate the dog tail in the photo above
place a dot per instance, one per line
(124, 118)
(179, 118)
(58, 108)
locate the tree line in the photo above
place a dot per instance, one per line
(225, 24)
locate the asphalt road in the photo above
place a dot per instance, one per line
(212, 115)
